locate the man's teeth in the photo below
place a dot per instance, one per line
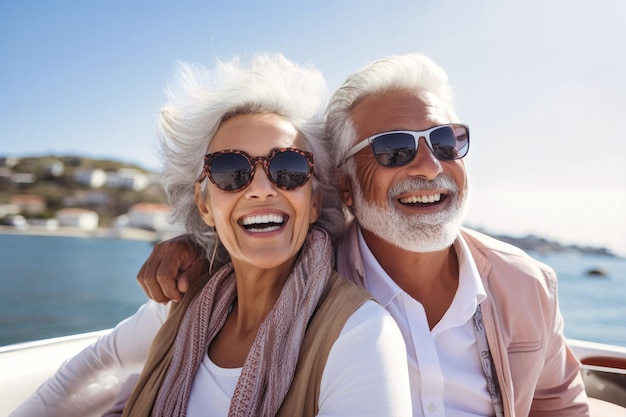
(263, 223)
(433, 198)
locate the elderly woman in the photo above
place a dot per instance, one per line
(271, 329)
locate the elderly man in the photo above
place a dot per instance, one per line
(480, 318)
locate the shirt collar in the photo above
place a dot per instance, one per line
(470, 292)
(383, 288)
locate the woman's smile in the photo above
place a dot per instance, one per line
(263, 223)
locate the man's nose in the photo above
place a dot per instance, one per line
(425, 164)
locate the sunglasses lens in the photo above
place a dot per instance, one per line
(394, 148)
(398, 148)
(230, 171)
(450, 142)
(288, 169)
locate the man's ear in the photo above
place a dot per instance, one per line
(344, 187)
(203, 206)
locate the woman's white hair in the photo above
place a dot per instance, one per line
(202, 99)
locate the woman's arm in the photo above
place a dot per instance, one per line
(88, 382)
(366, 373)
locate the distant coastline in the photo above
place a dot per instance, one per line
(530, 243)
(102, 232)
(542, 245)
(37, 188)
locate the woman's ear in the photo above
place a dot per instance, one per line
(316, 207)
(203, 207)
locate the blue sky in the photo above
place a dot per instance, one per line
(541, 84)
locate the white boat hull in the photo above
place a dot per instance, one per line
(26, 365)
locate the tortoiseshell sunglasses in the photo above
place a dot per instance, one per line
(233, 170)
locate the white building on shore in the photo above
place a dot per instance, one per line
(79, 218)
(94, 178)
(128, 178)
(149, 216)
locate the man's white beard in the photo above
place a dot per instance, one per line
(414, 233)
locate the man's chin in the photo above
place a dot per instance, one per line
(426, 239)
(427, 245)
(418, 233)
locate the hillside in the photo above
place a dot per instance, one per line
(107, 187)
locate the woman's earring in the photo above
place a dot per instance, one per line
(217, 242)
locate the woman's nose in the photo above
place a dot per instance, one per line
(260, 186)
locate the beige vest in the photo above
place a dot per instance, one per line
(340, 300)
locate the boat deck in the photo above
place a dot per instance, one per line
(26, 365)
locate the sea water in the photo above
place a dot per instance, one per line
(55, 286)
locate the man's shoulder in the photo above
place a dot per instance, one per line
(489, 252)
(487, 243)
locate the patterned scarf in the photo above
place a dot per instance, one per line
(270, 365)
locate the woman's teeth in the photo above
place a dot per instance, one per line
(263, 223)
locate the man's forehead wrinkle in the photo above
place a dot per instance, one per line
(437, 114)
(434, 107)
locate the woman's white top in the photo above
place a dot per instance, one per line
(365, 374)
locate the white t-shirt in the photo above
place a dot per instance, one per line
(365, 375)
(366, 335)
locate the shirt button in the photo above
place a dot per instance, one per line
(432, 407)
